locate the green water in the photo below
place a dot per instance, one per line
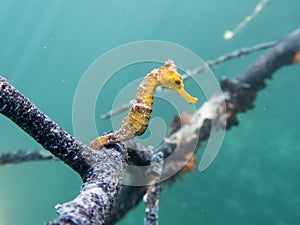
(45, 47)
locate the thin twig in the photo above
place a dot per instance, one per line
(209, 64)
(237, 54)
(21, 156)
(116, 111)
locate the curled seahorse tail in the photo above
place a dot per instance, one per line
(98, 143)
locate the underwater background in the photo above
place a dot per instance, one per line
(45, 48)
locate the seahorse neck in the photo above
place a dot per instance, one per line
(146, 90)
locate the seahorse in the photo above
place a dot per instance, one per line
(136, 122)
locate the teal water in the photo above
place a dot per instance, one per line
(46, 46)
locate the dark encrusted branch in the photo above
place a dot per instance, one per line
(282, 54)
(27, 116)
(98, 191)
(101, 171)
(244, 87)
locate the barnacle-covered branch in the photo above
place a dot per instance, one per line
(98, 191)
(239, 95)
(101, 171)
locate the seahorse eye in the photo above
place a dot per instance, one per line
(177, 82)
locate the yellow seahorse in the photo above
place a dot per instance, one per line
(136, 122)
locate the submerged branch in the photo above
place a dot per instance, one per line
(41, 128)
(101, 171)
(240, 94)
(97, 193)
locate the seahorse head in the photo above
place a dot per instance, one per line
(168, 77)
